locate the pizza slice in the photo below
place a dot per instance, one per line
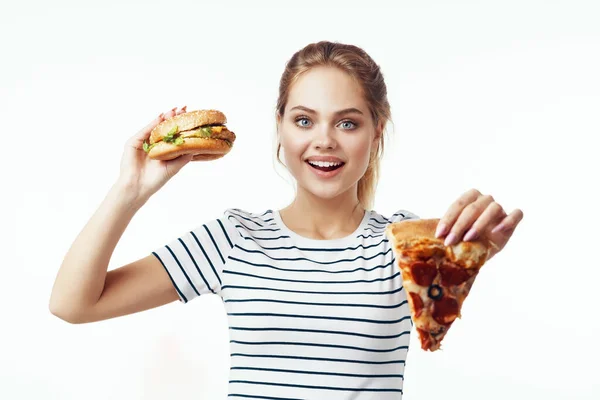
(437, 278)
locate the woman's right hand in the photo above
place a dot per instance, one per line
(142, 176)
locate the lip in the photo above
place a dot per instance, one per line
(324, 158)
(325, 174)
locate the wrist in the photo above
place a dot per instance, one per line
(127, 195)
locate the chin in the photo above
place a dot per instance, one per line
(324, 188)
(325, 191)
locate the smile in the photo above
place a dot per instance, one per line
(325, 169)
(325, 165)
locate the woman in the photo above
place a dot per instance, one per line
(315, 303)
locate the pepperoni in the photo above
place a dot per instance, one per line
(445, 310)
(423, 273)
(417, 303)
(426, 341)
(453, 275)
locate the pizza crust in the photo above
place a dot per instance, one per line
(416, 238)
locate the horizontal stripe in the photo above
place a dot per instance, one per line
(195, 265)
(340, 360)
(396, 215)
(385, 222)
(225, 233)
(360, 246)
(207, 258)
(183, 269)
(308, 292)
(333, 346)
(312, 282)
(375, 231)
(317, 387)
(379, 228)
(251, 220)
(312, 270)
(371, 321)
(269, 211)
(212, 239)
(248, 396)
(185, 300)
(383, 253)
(314, 304)
(237, 328)
(264, 238)
(241, 225)
(370, 236)
(293, 371)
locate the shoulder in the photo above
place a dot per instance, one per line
(250, 223)
(398, 215)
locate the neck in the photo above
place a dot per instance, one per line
(318, 218)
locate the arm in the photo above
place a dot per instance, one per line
(85, 292)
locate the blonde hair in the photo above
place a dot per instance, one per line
(359, 65)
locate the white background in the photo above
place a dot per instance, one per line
(503, 96)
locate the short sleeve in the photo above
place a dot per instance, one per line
(402, 215)
(195, 261)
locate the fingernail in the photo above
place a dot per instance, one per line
(183, 108)
(498, 228)
(162, 115)
(441, 230)
(174, 108)
(450, 239)
(472, 234)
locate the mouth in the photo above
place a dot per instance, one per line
(325, 166)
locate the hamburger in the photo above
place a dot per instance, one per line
(202, 133)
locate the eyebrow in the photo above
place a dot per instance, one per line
(337, 113)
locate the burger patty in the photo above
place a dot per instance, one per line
(215, 132)
(224, 134)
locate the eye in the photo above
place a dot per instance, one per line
(347, 125)
(303, 122)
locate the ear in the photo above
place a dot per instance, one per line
(380, 128)
(378, 132)
(277, 123)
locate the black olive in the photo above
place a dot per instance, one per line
(441, 330)
(435, 292)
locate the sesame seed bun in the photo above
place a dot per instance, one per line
(203, 148)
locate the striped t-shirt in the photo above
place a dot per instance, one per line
(308, 319)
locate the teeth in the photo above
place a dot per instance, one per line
(325, 164)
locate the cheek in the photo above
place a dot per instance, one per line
(359, 152)
(293, 147)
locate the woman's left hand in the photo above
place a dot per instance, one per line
(473, 215)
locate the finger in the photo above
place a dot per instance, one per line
(467, 217)
(138, 139)
(448, 220)
(509, 223)
(176, 164)
(171, 113)
(490, 216)
(182, 110)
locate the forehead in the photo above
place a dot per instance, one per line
(326, 90)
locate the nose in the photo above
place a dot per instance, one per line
(325, 139)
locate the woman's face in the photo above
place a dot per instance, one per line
(327, 132)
